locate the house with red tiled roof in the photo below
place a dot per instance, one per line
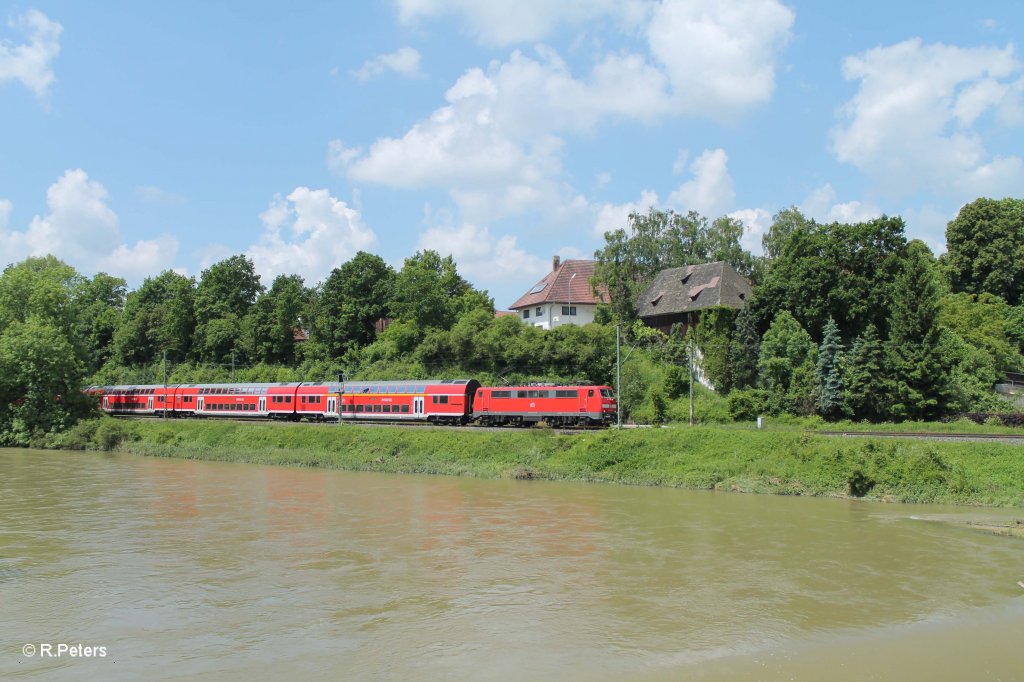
(563, 296)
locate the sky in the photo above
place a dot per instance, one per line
(139, 137)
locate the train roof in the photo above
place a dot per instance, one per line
(414, 382)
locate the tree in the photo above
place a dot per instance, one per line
(745, 348)
(41, 380)
(841, 271)
(784, 224)
(226, 292)
(866, 388)
(983, 321)
(43, 348)
(159, 316)
(350, 301)
(268, 331)
(103, 303)
(921, 381)
(786, 363)
(430, 292)
(722, 242)
(45, 288)
(829, 372)
(985, 243)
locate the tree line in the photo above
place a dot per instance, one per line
(847, 320)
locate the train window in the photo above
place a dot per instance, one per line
(288, 399)
(606, 392)
(387, 408)
(376, 408)
(359, 408)
(590, 393)
(303, 399)
(501, 394)
(421, 389)
(405, 409)
(567, 394)
(392, 389)
(444, 400)
(373, 389)
(433, 399)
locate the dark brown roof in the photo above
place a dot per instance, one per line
(693, 287)
(554, 287)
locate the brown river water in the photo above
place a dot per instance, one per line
(192, 570)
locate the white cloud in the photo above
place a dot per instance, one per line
(822, 206)
(756, 222)
(30, 62)
(719, 56)
(145, 259)
(5, 212)
(487, 260)
(308, 233)
(913, 122)
(710, 192)
(611, 217)
(404, 61)
(504, 125)
(502, 22)
(81, 229)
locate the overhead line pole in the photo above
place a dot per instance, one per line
(618, 380)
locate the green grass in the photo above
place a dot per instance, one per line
(780, 461)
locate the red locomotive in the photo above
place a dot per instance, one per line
(556, 405)
(447, 401)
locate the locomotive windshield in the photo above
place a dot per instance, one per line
(607, 393)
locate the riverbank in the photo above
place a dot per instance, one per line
(702, 457)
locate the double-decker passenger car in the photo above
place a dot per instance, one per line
(447, 401)
(556, 405)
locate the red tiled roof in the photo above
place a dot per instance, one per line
(554, 287)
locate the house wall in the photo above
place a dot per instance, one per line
(551, 315)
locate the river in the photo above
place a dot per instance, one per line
(193, 570)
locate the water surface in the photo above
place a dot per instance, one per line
(188, 570)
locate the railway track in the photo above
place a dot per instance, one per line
(1008, 437)
(373, 424)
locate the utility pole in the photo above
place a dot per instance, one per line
(233, 367)
(689, 357)
(165, 385)
(618, 380)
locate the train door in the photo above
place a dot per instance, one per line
(417, 405)
(263, 404)
(199, 404)
(149, 404)
(106, 403)
(332, 407)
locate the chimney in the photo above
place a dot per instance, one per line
(555, 260)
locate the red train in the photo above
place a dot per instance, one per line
(447, 401)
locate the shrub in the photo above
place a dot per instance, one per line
(748, 404)
(111, 432)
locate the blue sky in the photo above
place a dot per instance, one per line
(137, 137)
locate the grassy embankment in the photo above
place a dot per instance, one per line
(788, 462)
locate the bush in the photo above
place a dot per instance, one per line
(748, 404)
(111, 432)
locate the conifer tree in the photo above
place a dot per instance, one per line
(865, 387)
(745, 349)
(829, 374)
(921, 376)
